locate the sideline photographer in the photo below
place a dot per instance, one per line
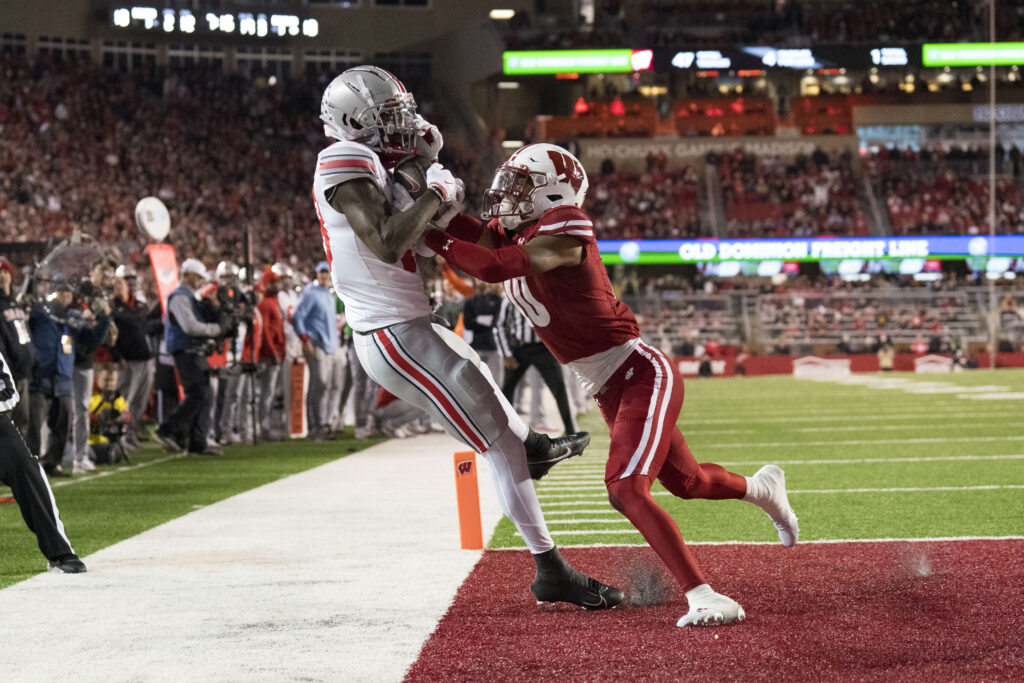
(189, 327)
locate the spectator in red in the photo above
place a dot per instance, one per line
(271, 354)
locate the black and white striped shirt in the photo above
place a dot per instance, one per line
(513, 329)
(8, 392)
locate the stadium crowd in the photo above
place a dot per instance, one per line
(946, 191)
(805, 197)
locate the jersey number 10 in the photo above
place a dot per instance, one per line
(519, 293)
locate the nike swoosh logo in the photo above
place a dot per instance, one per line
(557, 458)
(600, 601)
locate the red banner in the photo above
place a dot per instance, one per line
(165, 271)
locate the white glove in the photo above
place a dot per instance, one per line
(421, 248)
(447, 211)
(443, 183)
(428, 139)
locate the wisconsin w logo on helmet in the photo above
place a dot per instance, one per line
(567, 168)
(534, 179)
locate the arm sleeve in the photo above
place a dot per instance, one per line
(489, 265)
(465, 227)
(181, 308)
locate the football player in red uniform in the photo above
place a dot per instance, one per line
(542, 246)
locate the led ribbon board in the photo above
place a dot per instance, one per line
(946, 247)
(522, 62)
(972, 54)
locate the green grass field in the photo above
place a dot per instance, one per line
(121, 502)
(862, 460)
(840, 445)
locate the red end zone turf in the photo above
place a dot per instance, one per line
(923, 611)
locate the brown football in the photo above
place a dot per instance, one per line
(411, 175)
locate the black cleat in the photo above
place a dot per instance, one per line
(169, 443)
(543, 452)
(560, 582)
(69, 564)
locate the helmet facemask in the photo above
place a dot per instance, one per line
(510, 197)
(394, 124)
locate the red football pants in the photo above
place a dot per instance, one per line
(641, 404)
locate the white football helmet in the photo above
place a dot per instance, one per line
(227, 272)
(369, 105)
(534, 179)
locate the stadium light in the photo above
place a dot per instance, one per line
(508, 85)
(502, 14)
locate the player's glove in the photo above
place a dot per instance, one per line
(449, 210)
(428, 139)
(441, 181)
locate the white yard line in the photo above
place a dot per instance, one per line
(820, 541)
(337, 573)
(587, 472)
(862, 442)
(545, 497)
(982, 415)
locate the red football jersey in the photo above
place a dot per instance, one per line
(573, 308)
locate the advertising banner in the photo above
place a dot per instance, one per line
(809, 249)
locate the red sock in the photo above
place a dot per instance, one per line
(684, 477)
(632, 497)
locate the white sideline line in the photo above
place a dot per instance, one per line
(621, 520)
(107, 473)
(862, 442)
(599, 469)
(981, 415)
(908, 489)
(930, 426)
(324, 612)
(602, 511)
(820, 541)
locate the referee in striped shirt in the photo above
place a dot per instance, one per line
(518, 341)
(21, 470)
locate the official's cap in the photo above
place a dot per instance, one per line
(322, 266)
(193, 266)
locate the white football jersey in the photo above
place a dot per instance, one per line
(376, 294)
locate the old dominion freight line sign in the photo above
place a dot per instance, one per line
(815, 249)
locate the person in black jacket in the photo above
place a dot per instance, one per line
(91, 297)
(16, 344)
(56, 328)
(134, 353)
(479, 316)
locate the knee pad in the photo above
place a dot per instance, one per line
(627, 493)
(677, 483)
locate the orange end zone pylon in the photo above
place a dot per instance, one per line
(467, 493)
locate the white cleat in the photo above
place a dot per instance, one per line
(714, 610)
(776, 504)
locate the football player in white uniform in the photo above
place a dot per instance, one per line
(369, 242)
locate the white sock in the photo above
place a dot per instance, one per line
(695, 595)
(755, 491)
(511, 478)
